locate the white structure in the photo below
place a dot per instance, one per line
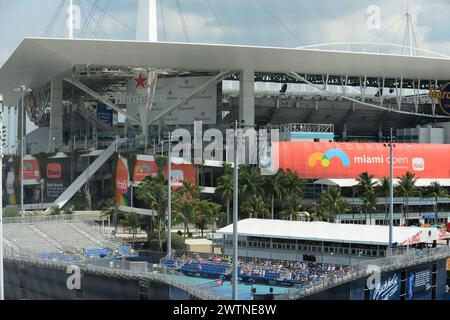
(147, 22)
(345, 244)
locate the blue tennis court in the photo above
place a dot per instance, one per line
(225, 291)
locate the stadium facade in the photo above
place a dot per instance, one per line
(94, 98)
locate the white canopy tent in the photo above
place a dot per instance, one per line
(333, 232)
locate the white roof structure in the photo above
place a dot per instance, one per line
(332, 232)
(38, 60)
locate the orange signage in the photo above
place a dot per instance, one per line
(349, 160)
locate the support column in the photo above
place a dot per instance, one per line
(147, 23)
(56, 114)
(247, 97)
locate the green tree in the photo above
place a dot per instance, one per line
(332, 203)
(255, 207)
(79, 201)
(436, 191)
(185, 216)
(11, 212)
(201, 216)
(132, 221)
(406, 187)
(293, 206)
(224, 190)
(384, 188)
(250, 182)
(154, 193)
(273, 187)
(369, 204)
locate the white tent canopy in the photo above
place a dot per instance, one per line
(333, 232)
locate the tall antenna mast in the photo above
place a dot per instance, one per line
(71, 22)
(147, 21)
(409, 31)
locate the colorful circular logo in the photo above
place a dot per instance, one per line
(444, 102)
(325, 158)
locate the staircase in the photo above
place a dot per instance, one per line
(91, 117)
(45, 236)
(86, 175)
(85, 234)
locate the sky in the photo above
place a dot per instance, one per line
(281, 23)
(285, 23)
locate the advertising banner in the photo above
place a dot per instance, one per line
(31, 169)
(419, 283)
(180, 172)
(388, 288)
(105, 113)
(122, 182)
(349, 160)
(11, 177)
(143, 169)
(57, 177)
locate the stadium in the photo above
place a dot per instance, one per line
(110, 112)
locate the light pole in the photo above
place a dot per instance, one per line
(23, 90)
(169, 197)
(2, 290)
(391, 146)
(235, 212)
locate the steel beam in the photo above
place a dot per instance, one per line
(97, 96)
(214, 80)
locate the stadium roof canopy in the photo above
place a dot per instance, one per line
(333, 232)
(38, 60)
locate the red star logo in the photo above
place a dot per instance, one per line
(140, 82)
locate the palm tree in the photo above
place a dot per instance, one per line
(224, 191)
(293, 206)
(211, 210)
(161, 163)
(436, 191)
(406, 187)
(334, 203)
(186, 216)
(189, 191)
(255, 207)
(366, 183)
(273, 187)
(250, 182)
(154, 193)
(369, 204)
(132, 221)
(202, 217)
(384, 188)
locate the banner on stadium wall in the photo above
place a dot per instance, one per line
(144, 169)
(31, 170)
(419, 284)
(105, 113)
(57, 177)
(388, 288)
(10, 181)
(122, 182)
(349, 160)
(180, 172)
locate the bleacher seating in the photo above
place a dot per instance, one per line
(53, 236)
